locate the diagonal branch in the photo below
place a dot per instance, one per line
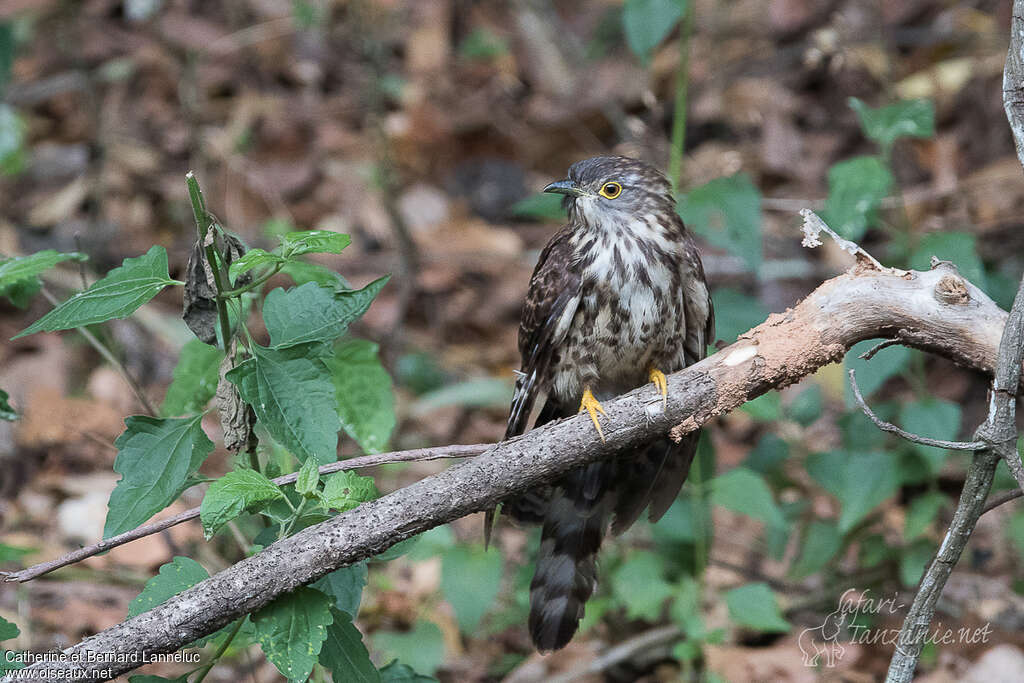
(861, 304)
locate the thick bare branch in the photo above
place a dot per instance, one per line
(861, 304)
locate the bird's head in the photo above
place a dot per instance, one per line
(612, 189)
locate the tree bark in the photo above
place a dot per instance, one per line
(936, 311)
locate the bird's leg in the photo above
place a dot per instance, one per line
(661, 383)
(591, 405)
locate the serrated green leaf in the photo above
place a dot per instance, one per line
(155, 457)
(308, 478)
(470, 580)
(292, 630)
(8, 630)
(234, 493)
(194, 381)
(754, 605)
(541, 206)
(821, 542)
(345, 490)
(311, 313)
(746, 492)
(174, 577)
(735, 313)
(647, 22)
(922, 511)
(254, 258)
(365, 400)
(345, 655)
(855, 190)
(293, 397)
(422, 647)
(871, 375)
(639, 585)
(903, 119)
(396, 672)
(345, 585)
(117, 295)
(13, 270)
(314, 241)
(936, 419)
(961, 248)
(6, 411)
(727, 213)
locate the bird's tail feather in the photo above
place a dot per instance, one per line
(566, 572)
(652, 477)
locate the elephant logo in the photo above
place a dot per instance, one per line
(823, 641)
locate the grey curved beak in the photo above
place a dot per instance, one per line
(566, 187)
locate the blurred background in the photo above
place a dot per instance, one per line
(425, 129)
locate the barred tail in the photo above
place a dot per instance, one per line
(566, 572)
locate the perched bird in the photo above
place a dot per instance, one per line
(618, 299)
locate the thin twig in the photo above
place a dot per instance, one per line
(109, 356)
(813, 227)
(915, 438)
(416, 454)
(663, 635)
(1002, 499)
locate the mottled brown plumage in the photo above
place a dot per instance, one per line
(617, 295)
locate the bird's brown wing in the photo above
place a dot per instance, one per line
(548, 311)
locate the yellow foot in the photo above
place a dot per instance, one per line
(660, 381)
(590, 404)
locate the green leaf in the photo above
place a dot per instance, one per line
(14, 270)
(933, 418)
(345, 655)
(6, 411)
(20, 293)
(871, 375)
(311, 313)
(302, 272)
(155, 457)
(821, 542)
(805, 409)
(234, 493)
(422, 647)
(314, 241)
(194, 381)
(867, 480)
(7, 45)
(647, 22)
(10, 553)
(958, 247)
(923, 511)
(8, 630)
(913, 561)
(484, 392)
(12, 140)
(292, 629)
(754, 605)
(432, 542)
(639, 586)
(768, 455)
(482, 45)
(254, 258)
(362, 388)
(293, 397)
(541, 206)
(903, 119)
(735, 313)
(178, 575)
(117, 295)
(470, 580)
(345, 585)
(855, 189)
(727, 212)
(345, 490)
(745, 491)
(396, 672)
(1015, 530)
(765, 408)
(308, 478)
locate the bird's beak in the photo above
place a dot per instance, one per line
(566, 187)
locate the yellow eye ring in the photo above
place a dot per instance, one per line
(610, 190)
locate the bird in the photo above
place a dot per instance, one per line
(617, 300)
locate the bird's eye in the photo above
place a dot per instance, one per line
(610, 190)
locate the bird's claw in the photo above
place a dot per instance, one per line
(661, 383)
(593, 407)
